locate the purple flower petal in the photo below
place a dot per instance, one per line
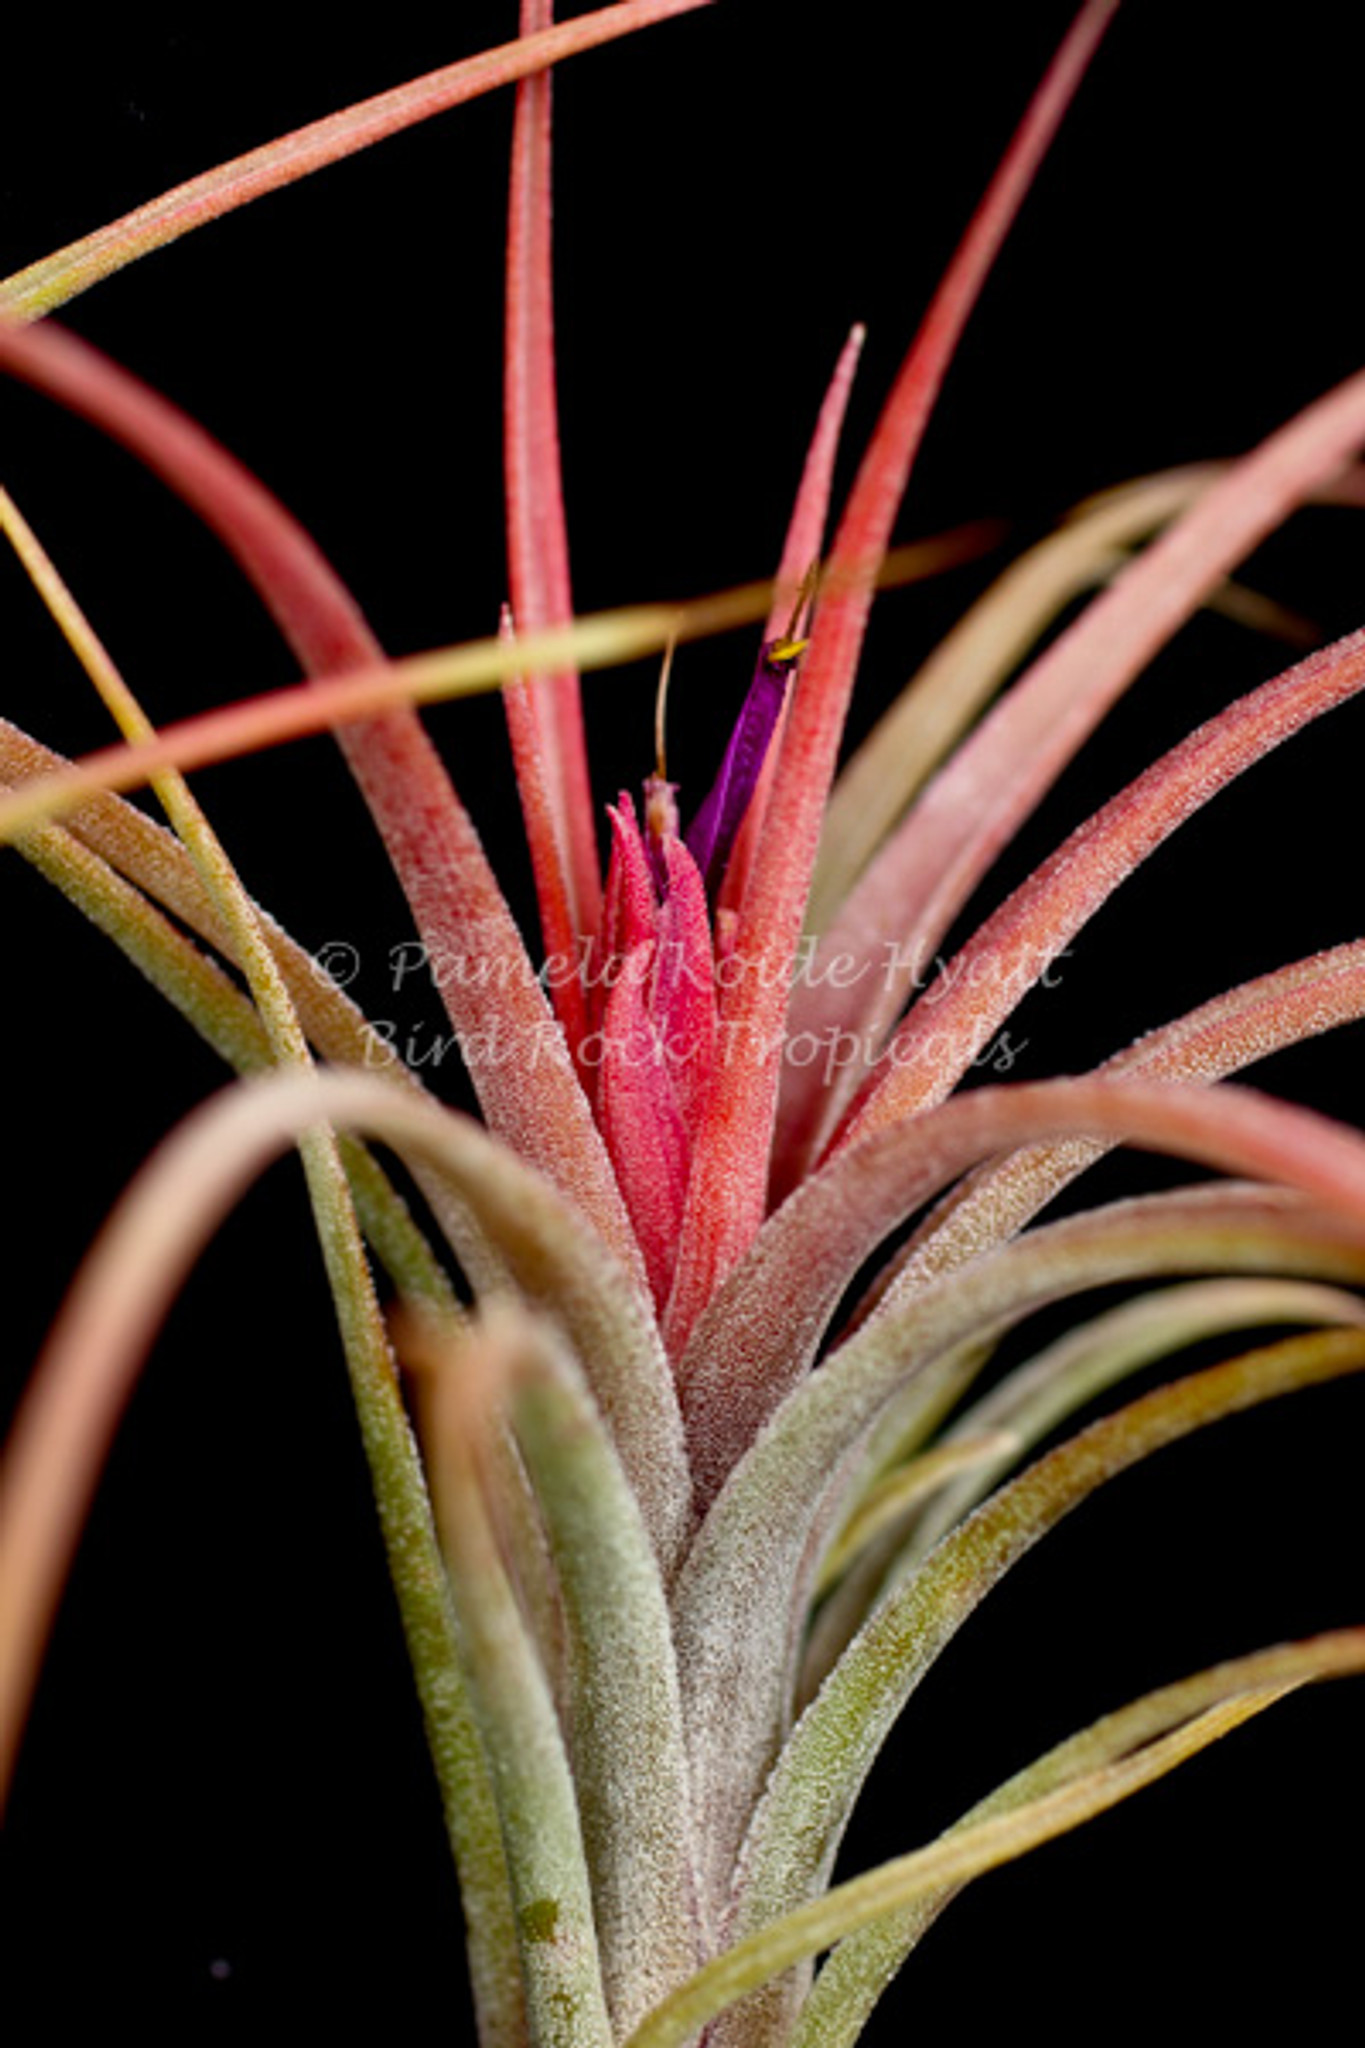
(710, 838)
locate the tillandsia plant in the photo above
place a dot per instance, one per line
(712, 1379)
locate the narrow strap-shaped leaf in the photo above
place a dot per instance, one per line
(886, 1504)
(208, 893)
(817, 1778)
(1026, 1406)
(459, 1393)
(219, 878)
(1066, 691)
(53, 1456)
(625, 1725)
(49, 283)
(910, 894)
(759, 1959)
(764, 1327)
(730, 1172)
(538, 546)
(958, 1013)
(843, 1005)
(604, 640)
(138, 848)
(369, 1362)
(209, 1000)
(1079, 1779)
(803, 546)
(1221, 1037)
(863, 1964)
(564, 956)
(1091, 546)
(50, 1464)
(879, 781)
(1035, 1398)
(738, 1642)
(533, 1100)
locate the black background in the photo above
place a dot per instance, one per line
(224, 1806)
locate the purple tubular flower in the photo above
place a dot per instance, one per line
(710, 838)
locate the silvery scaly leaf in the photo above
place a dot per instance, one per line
(738, 1643)
(798, 1827)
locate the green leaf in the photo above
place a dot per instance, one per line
(815, 1782)
(1047, 1390)
(625, 1717)
(398, 1486)
(129, 1278)
(864, 1963)
(134, 846)
(460, 1389)
(1081, 1778)
(1028, 1404)
(741, 1600)
(972, 663)
(205, 996)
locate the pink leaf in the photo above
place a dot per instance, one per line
(567, 879)
(911, 892)
(766, 1322)
(804, 545)
(564, 952)
(520, 1067)
(51, 282)
(1221, 1037)
(730, 1171)
(980, 987)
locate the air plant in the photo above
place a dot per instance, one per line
(720, 1342)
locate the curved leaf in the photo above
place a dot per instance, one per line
(203, 994)
(812, 1788)
(135, 846)
(478, 960)
(960, 1011)
(625, 1717)
(1221, 1037)
(53, 1456)
(537, 1803)
(1024, 1407)
(863, 1964)
(49, 283)
(913, 890)
(742, 1597)
(742, 1972)
(1035, 1398)
(545, 716)
(730, 1172)
(1079, 1779)
(398, 1487)
(882, 778)
(761, 1333)
(887, 1504)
